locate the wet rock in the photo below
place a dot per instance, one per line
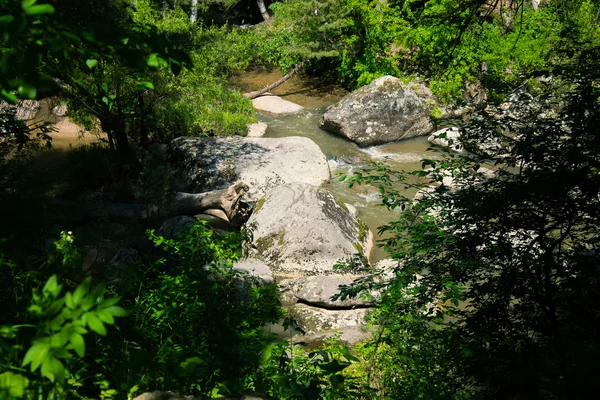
(314, 320)
(261, 163)
(302, 230)
(275, 105)
(384, 111)
(258, 129)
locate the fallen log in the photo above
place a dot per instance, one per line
(255, 94)
(226, 200)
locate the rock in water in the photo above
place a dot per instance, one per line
(261, 163)
(384, 111)
(257, 129)
(300, 230)
(275, 105)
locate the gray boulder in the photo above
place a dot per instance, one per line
(384, 111)
(255, 268)
(275, 105)
(261, 163)
(314, 320)
(301, 230)
(318, 291)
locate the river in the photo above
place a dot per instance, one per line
(343, 155)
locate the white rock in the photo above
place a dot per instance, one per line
(275, 105)
(318, 291)
(261, 163)
(255, 268)
(451, 135)
(312, 319)
(258, 129)
(300, 230)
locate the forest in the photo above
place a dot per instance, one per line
(423, 224)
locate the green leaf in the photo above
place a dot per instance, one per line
(143, 85)
(9, 97)
(80, 292)
(36, 355)
(40, 9)
(153, 61)
(27, 3)
(78, 344)
(53, 369)
(95, 324)
(6, 19)
(91, 63)
(28, 91)
(51, 284)
(69, 300)
(117, 311)
(109, 302)
(105, 316)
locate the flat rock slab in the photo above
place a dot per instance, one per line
(275, 105)
(262, 163)
(302, 230)
(314, 320)
(386, 110)
(318, 291)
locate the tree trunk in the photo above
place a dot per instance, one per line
(255, 94)
(263, 10)
(194, 12)
(227, 200)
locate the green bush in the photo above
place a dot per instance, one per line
(197, 324)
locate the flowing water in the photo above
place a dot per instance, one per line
(343, 155)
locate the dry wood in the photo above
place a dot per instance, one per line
(227, 200)
(255, 94)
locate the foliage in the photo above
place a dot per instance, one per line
(492, 296)
(289, 371)
(198, 102)
(447, 42)
(56, 333)
(197, 324)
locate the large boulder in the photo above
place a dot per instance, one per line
(301, 230)
(261, 163)
(318, 291)
(313, 319)
(384, 111)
